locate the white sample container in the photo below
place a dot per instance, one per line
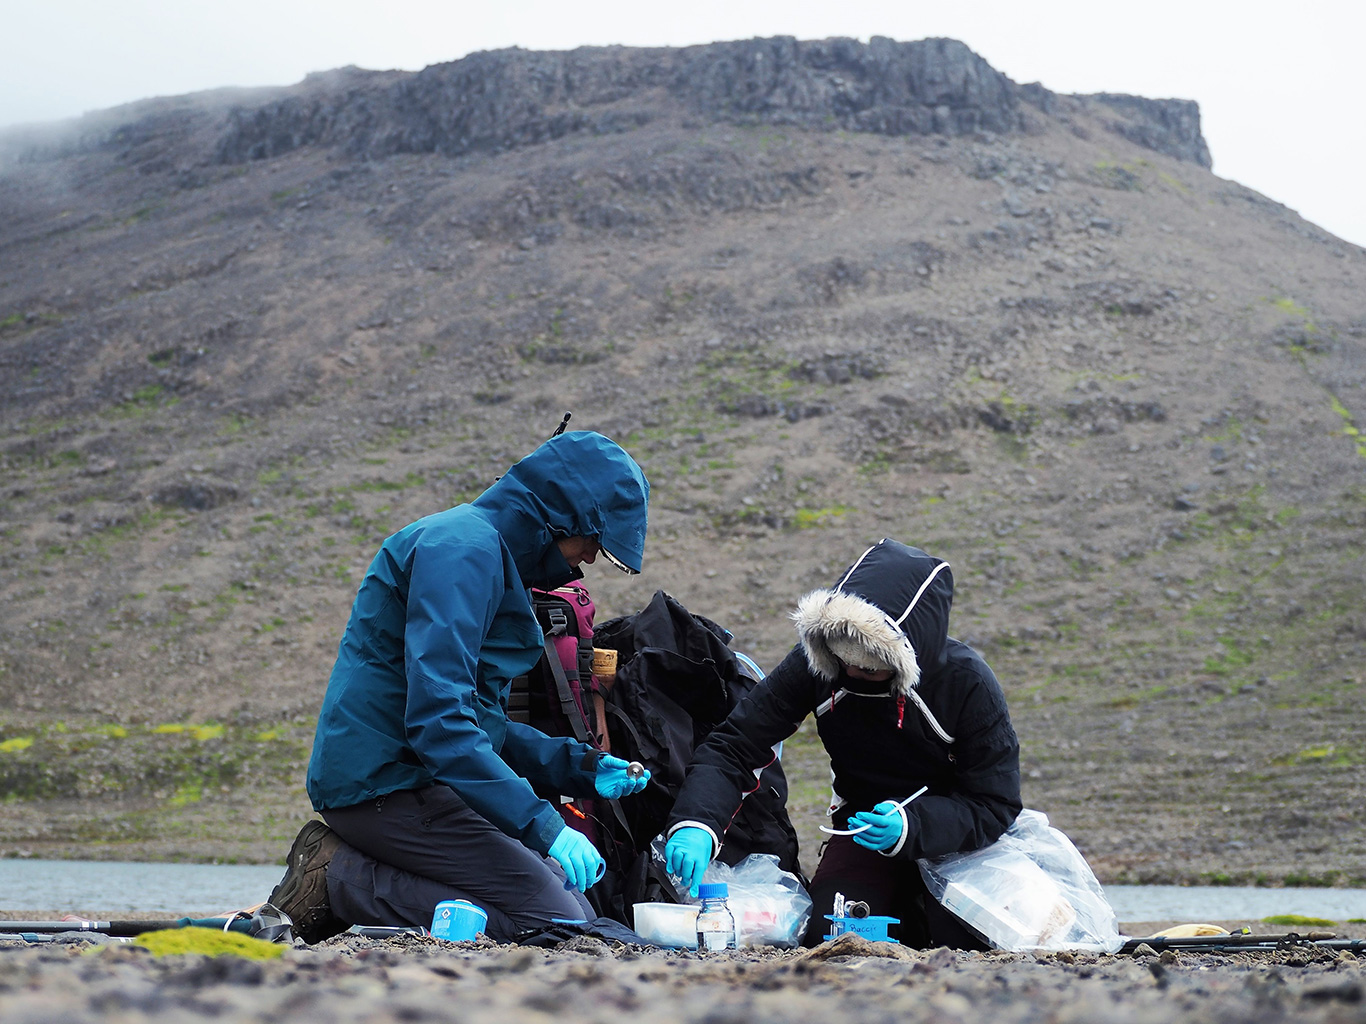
(672, 925)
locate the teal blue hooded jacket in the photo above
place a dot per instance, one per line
(443, 622)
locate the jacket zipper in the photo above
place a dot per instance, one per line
(900, 710)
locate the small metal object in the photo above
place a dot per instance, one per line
(857, 908)
(635, 770)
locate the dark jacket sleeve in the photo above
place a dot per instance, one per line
(985, 795)
(726, 767)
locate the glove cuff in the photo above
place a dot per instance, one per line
(901, 840)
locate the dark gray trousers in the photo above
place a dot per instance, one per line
(405, 852)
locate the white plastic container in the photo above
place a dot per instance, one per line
(672, 925)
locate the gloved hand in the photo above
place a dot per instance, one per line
(885, 826)
(687, 855)
(612, 781)
(582, 863)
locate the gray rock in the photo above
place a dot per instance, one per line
(1168, 126)
(504, 99)
(196, 494)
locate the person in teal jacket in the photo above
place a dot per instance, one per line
(423, 784)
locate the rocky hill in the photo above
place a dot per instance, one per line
(824, 291)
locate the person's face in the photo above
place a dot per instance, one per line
(578, 550)
(879, 676)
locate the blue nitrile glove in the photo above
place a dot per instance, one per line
(687, 855)
(612, 781)
(582, 863)
(885, 824)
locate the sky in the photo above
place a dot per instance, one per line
(1279, 85)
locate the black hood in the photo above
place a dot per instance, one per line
(892, 606)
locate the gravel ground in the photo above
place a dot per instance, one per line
(417, 979)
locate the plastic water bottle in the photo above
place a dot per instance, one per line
(715, 922)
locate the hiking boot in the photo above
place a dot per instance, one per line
(302, 893)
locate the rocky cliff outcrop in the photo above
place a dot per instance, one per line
(1168, 126)
(505, 99)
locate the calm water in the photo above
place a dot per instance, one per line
(204, 889)
(106, 887)
(1229, 903)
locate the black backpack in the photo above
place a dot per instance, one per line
(677, 679)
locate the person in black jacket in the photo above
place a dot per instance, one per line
(899, 705)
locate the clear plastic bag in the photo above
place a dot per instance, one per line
(1030, 890)
(770, 905)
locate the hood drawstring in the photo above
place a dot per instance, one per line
(900, 709)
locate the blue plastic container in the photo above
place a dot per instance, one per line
(872, 928)
(458, 920)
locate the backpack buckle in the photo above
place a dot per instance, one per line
(559, 622)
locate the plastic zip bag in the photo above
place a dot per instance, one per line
(1030, 890)
(770, 905)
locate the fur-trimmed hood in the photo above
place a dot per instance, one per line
(889, 609)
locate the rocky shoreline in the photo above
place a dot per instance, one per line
(352, 978)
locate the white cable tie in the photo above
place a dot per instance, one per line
(864, 828)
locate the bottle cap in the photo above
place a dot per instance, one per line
(713, 890)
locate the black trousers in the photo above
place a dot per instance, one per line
(405, 852)
(891, 888)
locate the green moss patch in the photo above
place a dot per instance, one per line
(1289, 920)
(207, 942)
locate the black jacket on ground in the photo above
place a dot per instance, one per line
(940, 722)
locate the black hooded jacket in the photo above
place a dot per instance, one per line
(940, 721)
